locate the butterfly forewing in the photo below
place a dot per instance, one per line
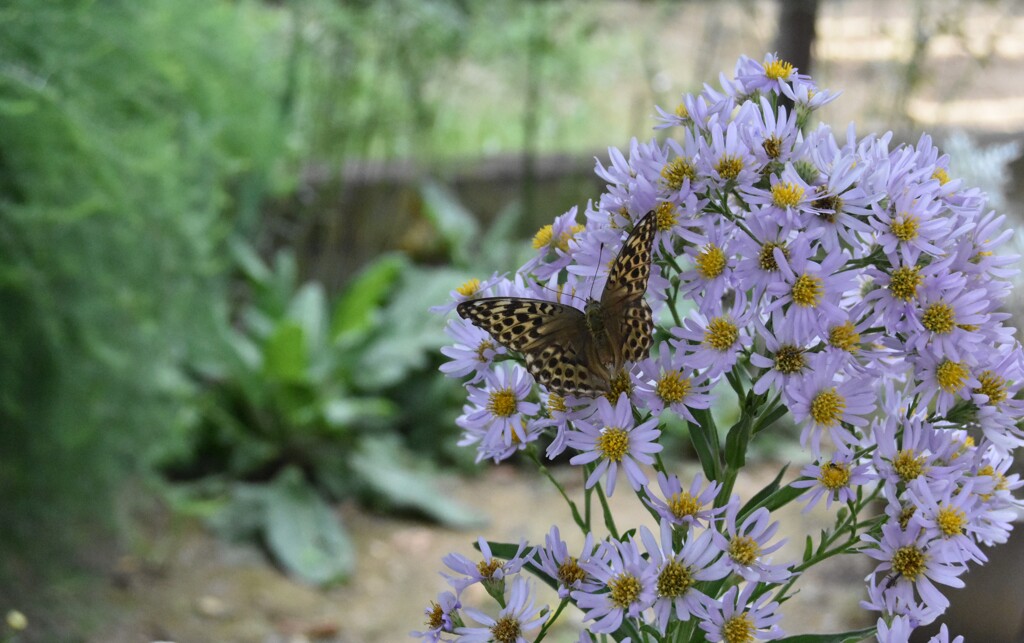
(560, 350)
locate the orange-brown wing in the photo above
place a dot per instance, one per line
(553, 339)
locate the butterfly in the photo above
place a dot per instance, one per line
(572, 351)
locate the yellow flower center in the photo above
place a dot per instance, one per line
(808, 290)
(619, 384)
(787, 195)
(673, 387)
(436, 617)
(993, 386)
(789, 359)
(951, 521)
(545, 238)
(674, 580)
(502, 403)
(556, 403)
(624, 590)
(766, 258)
(469, 288)
(676, 171)
(772, 146)
(729, 166)
(613, 443)
(906, 513)
(721, 333)
(487, 569)
(506, 630)
(738, 629)
(778, 69)
(908, 465)
(909, 562)
(710, 261)
(951, 375)
(834, 475)
(683, 505)
(904, 282)
(845, 337)
(667, 215)
(827, 407)
(681, 111)
(570, 572)
(482, 348)
(744, 550)
(905, 227)
(939, 318)
(941, 175)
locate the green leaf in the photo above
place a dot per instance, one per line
(782, 497)
(302, 532)
(308, 309)
(840, 637)
(451, 219)
(344, 412)
(286, 355)
(388, 470)
(249, 261)
(357, 308)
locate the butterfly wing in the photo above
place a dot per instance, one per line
(627, 316)
(552, 337)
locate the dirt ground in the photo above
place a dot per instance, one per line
(209, 590)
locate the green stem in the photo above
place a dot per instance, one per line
(532, 454)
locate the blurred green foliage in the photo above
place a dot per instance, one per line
(134, 136)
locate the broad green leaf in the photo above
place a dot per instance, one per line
(302, 532)
(249, 261)
(308, 309)
(386, 469)
(357, 307)
(286, 356)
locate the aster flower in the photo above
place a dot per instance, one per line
(895, 631)
(734, 617)
(664, 382)
(948, 510)
(471, 289)
(554, 559)
(725, 159)
(685, 507)
(784, 358)
(912, 564)
(711, 274)
(490, 571)
(473, 352)
(771, 135)
(837, 479)
(442, 618)
(769, 75)
(714, 343)
(517, 617)
(552, 243)
(824, 402)
(809, 292)
(627, 585)
(747, 545)
(697, 560)
(946, 317)
(615, 442)
(496, 410)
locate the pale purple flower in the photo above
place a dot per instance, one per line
(810, 292)
(695, 506)
(518, 616)
(442, 618)
(488, 570)
(627, 586)
(837, 479)
(736, 612)
(667, 382)
(556, 561)
(615, 441)
(825, 403)
(697, 560)
(747, 545)
(473, 352)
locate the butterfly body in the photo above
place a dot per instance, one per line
(572, 351)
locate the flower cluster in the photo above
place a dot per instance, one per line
(846, 281)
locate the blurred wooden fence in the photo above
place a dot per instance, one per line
(340, 219)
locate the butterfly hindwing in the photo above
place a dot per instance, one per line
(561, 370)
